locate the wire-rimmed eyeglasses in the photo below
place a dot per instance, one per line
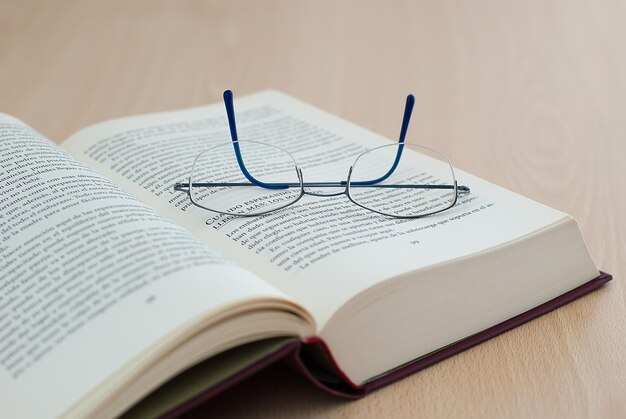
(251, 178)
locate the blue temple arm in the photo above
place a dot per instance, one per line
(408, 110)
(230, 112)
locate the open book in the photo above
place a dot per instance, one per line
(112, 283)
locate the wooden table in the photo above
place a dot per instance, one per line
(530, 95)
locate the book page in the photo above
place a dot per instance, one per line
(90, 277)
(320, 251)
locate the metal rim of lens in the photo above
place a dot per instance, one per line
(256, 214)
(351, 198)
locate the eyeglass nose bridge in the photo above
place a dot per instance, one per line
(342, 184)
(322, 195)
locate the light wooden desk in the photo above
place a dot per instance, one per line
(530, 95)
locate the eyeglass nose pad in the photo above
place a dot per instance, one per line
(349, 176)
(299, 173)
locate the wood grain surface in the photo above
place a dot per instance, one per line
(530, 95)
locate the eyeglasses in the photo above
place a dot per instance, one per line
(251, 178)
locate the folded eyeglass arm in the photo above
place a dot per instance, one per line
(230, 112)
(183, 186)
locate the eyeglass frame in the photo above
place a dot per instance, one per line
(459, 190)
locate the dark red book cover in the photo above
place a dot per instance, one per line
(295, 354)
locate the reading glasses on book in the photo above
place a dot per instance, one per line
(251, 178)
